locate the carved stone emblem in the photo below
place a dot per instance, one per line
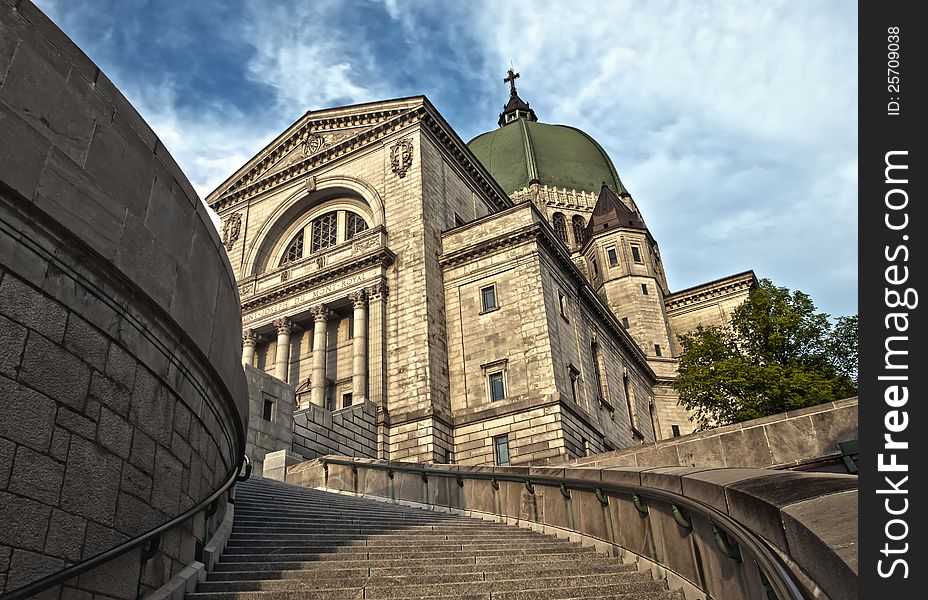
(314, 143)
(401, 157)
(231, 227)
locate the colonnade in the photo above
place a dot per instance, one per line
(321, 315)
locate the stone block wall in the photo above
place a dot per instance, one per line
(541, 336)
(273, 434)
(123, 399)
(350, 431)
(790, 440)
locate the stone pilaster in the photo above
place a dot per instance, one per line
(249, 341)
(282, 361)
(321, 316)
(377, 364)
(359, 347)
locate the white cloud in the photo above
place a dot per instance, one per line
(733, 124)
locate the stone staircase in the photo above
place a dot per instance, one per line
(290, 543)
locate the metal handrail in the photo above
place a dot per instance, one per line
(74, 570)
(781, 578)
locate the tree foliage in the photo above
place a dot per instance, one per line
(776, 354)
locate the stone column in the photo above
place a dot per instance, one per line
(359, 347)
(377, 364)
(321, 316)
(282, 363)
(249, 341)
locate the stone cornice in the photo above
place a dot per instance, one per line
(465, 159)
(710, 291)
(383, 257)
(380, 123)
(512, 238)
(252, 183)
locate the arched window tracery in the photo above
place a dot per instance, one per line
(578, 225)
(560, 227)
(354, 224)
(323, 231)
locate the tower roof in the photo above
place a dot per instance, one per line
(523, 151)
(610, 213)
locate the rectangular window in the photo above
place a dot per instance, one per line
(657, 350)
(346, 400)
(595, 268)
(625, 322)
(268, 410)
(613, 257)
(458, 221)
(676, 430)
(488, 298)
(636, 254)
(644, 289)
(501, 450)
(497, 387)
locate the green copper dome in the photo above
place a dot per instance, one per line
(523, 150)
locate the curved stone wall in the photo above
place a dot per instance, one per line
(807, 520)
(804, 439)
(122, 397)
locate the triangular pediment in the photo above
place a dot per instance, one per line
(315, 138)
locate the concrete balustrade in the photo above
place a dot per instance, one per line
(808, 520)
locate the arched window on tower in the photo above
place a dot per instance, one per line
(354, 225)
(578, 225)
(560, 227)
(325, 231)
(294, 250)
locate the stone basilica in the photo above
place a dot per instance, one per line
(495, 302)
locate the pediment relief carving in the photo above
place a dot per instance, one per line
(310, 142)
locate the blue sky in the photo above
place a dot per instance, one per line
(733, 124)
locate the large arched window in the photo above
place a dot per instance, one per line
(578, 225)
(354, 225)
(560, 227)
(325, 231)
(322, 232)
(295, 249)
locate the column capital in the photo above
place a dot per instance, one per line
(358, 299)
(284, 325)
(320, 313)
(249, 337)
(378, 291)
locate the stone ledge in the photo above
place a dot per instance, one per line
(802, 517)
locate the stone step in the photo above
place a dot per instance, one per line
(542, 589)
(353, 529)
(358, 545)
(289, 543)
(497, 581)
(230, 564)
(523, 570)
(412, 538)
(299, 554)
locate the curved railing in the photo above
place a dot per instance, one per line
(731, 538)
(151, 538)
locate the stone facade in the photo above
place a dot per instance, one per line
(123, 401)
(349, 431)
(271, 404)
(801, 439)
(364, 239)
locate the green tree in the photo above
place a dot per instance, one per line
(776, 354)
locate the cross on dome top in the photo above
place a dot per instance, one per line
(511, 80)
